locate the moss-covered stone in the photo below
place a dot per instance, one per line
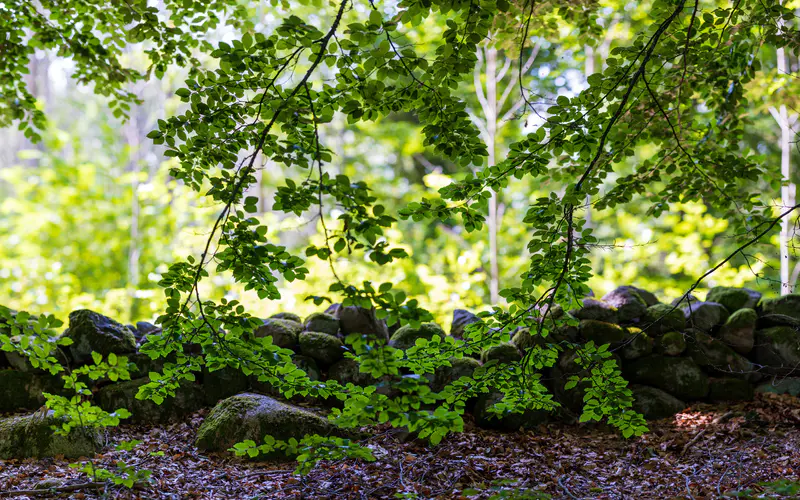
(787, 305)
(784, 385)
(308, 365)
(287, 315)
(30, 436)
(322, 322)
(486, 419)
(680, 377)
(355, 319)
(662, 318)
(91, 331)
(459, 367)
(734, 298)
(601, 332)
(347, 371)
(462, 318)
(771, 320)
(23, 390)
(407, 336)
(223, 383)
(188, 399)
(637, 345)
(284, 332)
(323, 348)
(596, 310)
(504, 352)
(671, 344)
(739, 331)
(705, 316)
(713, 355)
(777, 349)
(254, 416)
(730, 389)
(654, 403)
(524, 339)
(631, 302)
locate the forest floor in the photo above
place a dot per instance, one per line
(707, 452)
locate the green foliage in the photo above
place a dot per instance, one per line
(308, 451)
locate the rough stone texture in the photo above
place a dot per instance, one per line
(778, 349)
(524, 340)
(683, 302)
(596, 310)
(254, 416)
(323, 348)
(716, 357)
(322, 322)
(462, 318)
(459, 367)
(287, 315)
(354, 319)
(705, 315)
(284, 332)
(730, 389)
(680, 377)
(23, 390)
(770, 320)
(661, 318)
(638, 344)
(406, 336)
(654, 403)
(787, 305)
(29, 436)
(734, 298)
(602, 333)
(671, 344)
(143, 329)
(188, 399)
(787, 385)
(510, 422)
(91, 331)
(504, 352)
(631, 302)
(739, 331)
(223, 383)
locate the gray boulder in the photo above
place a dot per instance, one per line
(654, 403)
(713, 355)
(23, 390)
(284, 332)
(323, 348)
(322, 322)
(631, 302)
(355, 319)
(787, 385)
(486, 419)
(188, 399)
(602, 333)
(596, 310)
(287, 315)
(671, 344)
(739, 331)
(504, 352)
(787, 305)
(31, 436)
(734, 298)
(705, 316)
(462, 318)
(91, 331)
(637, 345)
(661, 318)
(778, 349)
(680, 377)
(407, 336)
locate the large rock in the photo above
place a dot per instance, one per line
(682, 301)
(778, 349)
(739, 331)
(654, 403)
(323, 348)
(787, 385)
(730, 389)
(407, 336)
(252, 417)
(680, 377)
(486, 419)
(637, 345)
(284, 332)
(23, 390)
(601, 332)
(144, 328)
(188, 399)
(223, 383)
(734, 298)
(770, 320)
(91, 331)
(712, 354)
(671, 344)
(631, 302)
(287, 315)
(462, 318)
(787, 305)
(504, 352)
(446, 375)
(355, 319)
(31, 436)
(322, 322)
(661, 318)
(596, 310)
(705, 316)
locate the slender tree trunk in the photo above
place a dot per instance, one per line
(491, 129)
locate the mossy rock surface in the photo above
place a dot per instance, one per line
(713, 355)
(783, 385)
(322, 322)
(284, 332)
(323, 348)
(29, 436)
(91, 331)
(705, 316)
(777, 349)
(407, 336)
(601, 332)
(254, 416)
(637, 345)
(653, 403)
(596, 310)
(287, 315)
(223, 383)
(680, 377)
(505, 352)
(671, 344)
(348, 371)
(734, 298)
(631, 302)
(739, 331)
(459, 367)
(355, 319)
(663, 318)
(730, 389)
(787, 305)
(188, 399)
(23, 390)
(462, 318)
